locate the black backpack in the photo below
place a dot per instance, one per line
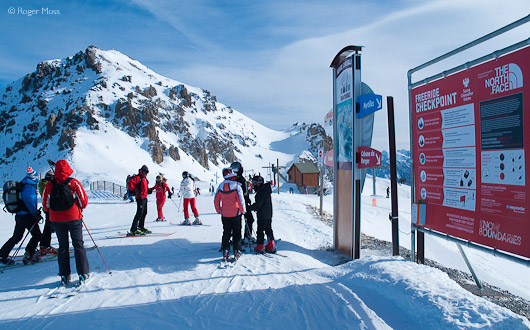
(132, 192)
(61, 196)
(12, 197)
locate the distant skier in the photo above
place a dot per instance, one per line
(249, 218)
(263, 206)
(161, 187)
(27, 218)
(187, 191)
(139, 185)
(65, 199)
(46, 238)
(387, 192)
(230, 203)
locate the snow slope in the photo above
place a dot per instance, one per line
(175, 282)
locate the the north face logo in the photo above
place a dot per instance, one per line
(507, 77)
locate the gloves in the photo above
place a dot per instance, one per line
(38, 216)
(150, 190)
(169, 194)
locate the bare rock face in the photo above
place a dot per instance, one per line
(149, 92)
(157, 154)
(67, 139)
(174, 153)
(51, 129)
(91, 59)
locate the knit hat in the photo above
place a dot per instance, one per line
(31, 173)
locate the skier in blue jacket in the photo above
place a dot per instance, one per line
(28, 218)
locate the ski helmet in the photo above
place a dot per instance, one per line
(185, 175)
(237, 168)
(158, 179)
(257, 180)
(144, 169)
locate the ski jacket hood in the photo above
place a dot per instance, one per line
(62, 170)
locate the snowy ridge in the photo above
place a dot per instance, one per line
(108, 114)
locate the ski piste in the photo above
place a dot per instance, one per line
(70, 290)
(124, 235)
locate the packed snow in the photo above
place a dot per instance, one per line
(175, 281)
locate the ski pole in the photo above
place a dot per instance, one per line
(19, 247)
(96, 246)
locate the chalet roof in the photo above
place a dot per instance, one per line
(306, 168)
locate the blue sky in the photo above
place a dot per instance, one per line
(268, 59)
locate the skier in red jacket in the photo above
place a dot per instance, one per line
(64, 198)
(161, 187)
(138, 184)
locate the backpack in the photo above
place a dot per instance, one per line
(131, 189)
(61, 196)
(12, 197)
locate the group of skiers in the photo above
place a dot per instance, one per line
(232, 201)
(138, 187)
(63, 200)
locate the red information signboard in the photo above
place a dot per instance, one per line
(470, 147)
(368, 157)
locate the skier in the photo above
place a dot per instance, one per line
(263, 206)
(229, 202)
(387, 192)
(161, 187)
(138, 184)
(64, 198)
(28, 218)
(46, 238)
(249, 218)
(187, 191)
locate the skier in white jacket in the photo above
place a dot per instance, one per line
(187, 191)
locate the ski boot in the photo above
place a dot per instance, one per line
(237, 254)
(197, 221)
(225, 255)
(65, 280)
(47, 251)
(6, 261)
(30, 259)
(145, 231)
(270, 247)
(83, 278)
(259, 248)
(186, 222)
(135, 233)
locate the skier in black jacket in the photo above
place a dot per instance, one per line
(263, 206)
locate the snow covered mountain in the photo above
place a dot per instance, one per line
(102, 107)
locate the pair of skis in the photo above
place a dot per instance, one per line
(228, 262)
(124, 235)
(70, 290)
